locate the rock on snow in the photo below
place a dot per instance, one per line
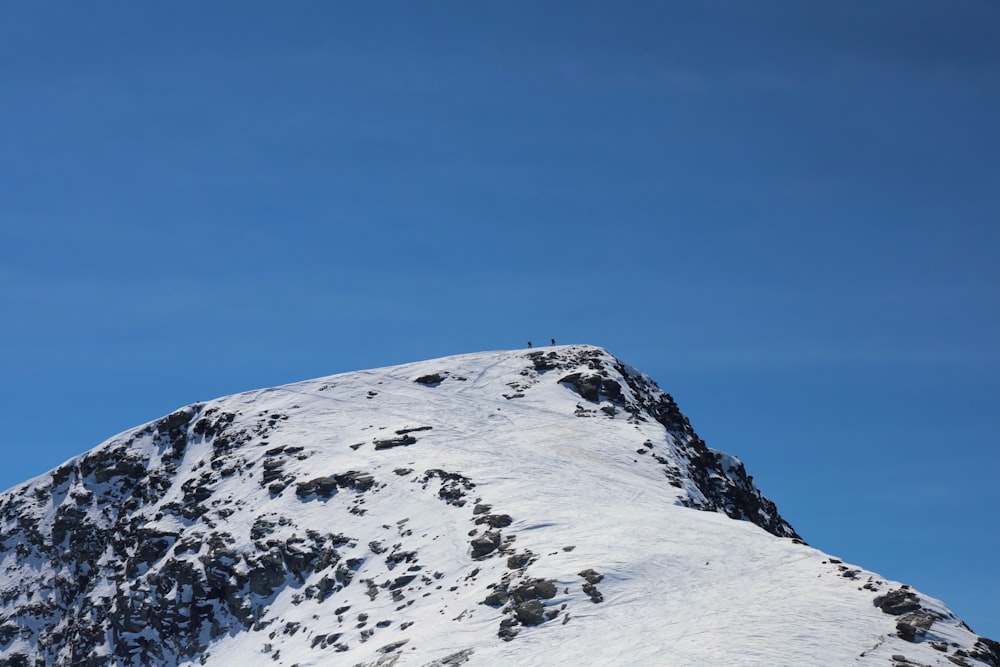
(533, 507)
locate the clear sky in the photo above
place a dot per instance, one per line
(788, 213)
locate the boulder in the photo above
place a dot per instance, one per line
(530, 612)
(485, 544)
(897, 602)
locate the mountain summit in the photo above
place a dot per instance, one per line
(533, 507)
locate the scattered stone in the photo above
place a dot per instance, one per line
(507, 629)
(454, 486)
(402, 581)
(453, 660)
(354, 479)
(915, 625)
(495, 520)
(324, 487)
(401, 441)
(534, 589)
(394, 646)
(530, 612)
(544, 362)
(485, 544)
(595, 595)
(517, 561)
(404, 431)
(497, 598)
(897, 602)
(592, 578)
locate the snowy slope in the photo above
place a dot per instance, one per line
(534, 507)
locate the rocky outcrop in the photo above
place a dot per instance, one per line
(723, 483)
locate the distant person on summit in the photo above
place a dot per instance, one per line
(529, 343)
(553, 341)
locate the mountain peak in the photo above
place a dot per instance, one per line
(526, 507)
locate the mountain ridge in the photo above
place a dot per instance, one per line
(483, 491)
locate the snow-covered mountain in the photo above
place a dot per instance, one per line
(533, 507)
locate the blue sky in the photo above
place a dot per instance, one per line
(787, 213)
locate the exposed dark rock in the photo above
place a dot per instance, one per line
(353, 479)
(432, 379)
(325, 588)
(497, 598)
(533, 589)
(494, 520)
(453, 485)
(402, 441)
(507, 629)
(212, 423)
(395, 646)
(612, 390)
(124, 467)
(324, 487)
(175, 420)
(399, 582)
(261, 528)
(986, 650)
(530, 612)
(272, 471)
(587, 386)
(595, 595)
(397, 557)
(152, 545)
(897, 602)
(485, 544)
(542, 361)
(517, 561)
(453, 660)
(404, 431)
(266, 574)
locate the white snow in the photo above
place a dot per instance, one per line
(681, 586)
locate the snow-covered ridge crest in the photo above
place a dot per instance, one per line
(517, 507)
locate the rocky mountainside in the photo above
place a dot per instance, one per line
(533, 507)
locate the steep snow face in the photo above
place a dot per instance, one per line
(529, 507)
